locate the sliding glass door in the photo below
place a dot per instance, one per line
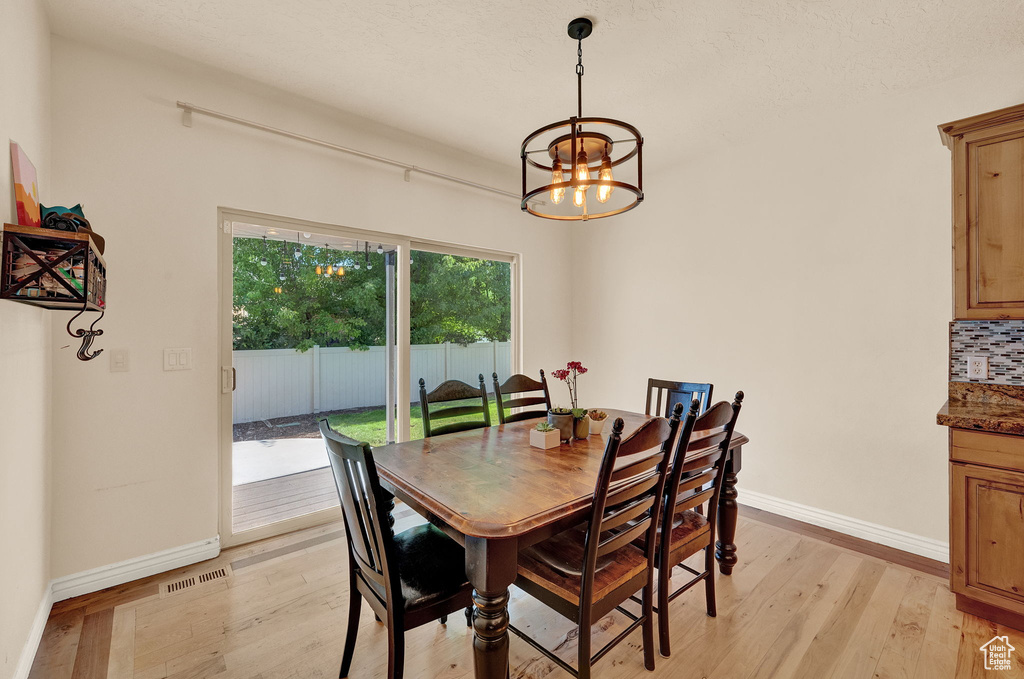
(320, 321)
(460, 325)
(313, 337)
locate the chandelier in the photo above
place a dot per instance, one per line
(580, 153)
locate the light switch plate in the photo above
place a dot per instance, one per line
(178, 359)
(120, 360)
(977, 367)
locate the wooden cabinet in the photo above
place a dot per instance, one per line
(988, 214)
(987, 524)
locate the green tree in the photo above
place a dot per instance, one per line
(459, 299)
(310, 308)
(454, 299)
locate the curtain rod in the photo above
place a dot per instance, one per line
(186, 120)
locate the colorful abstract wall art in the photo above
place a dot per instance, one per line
(26, 189)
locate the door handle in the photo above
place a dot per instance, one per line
(227, 379)
(234, 378)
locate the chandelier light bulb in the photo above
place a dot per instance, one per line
(319, 270)
(297, 253)
(556, 178)
(281, 276)
(369, 266)
(380, 249)
(579, 198)
(341, 270)
(604, 187)
(330, 270)
(263, 260)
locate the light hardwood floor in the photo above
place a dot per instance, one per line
(795, 606)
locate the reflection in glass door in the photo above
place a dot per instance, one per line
(460, 325)
(313, 337)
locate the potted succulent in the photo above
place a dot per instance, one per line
(581, 422)
(561, 419)
(597, 419)
(545, 436)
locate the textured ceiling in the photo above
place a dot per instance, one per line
(480, 75)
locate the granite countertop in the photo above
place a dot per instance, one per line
(984, 407)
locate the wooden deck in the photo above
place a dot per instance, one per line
(285, 497)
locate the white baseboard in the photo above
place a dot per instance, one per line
(883, 535)
(28, 652)
(140, 567)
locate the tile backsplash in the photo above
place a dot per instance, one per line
(1001, 341)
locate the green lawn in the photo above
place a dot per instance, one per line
(370, 426)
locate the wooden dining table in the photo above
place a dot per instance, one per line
(495, 494)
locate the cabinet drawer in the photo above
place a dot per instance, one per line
(990, 450)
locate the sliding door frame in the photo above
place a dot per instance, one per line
(406, 245)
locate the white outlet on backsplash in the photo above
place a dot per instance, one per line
(977, 367)
(1000, 342)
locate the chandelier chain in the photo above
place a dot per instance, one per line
(579, 78)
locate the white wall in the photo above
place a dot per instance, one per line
(806, 262)
(24, 344)
(136, 459)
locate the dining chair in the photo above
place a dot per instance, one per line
(698, 466)
(407, 579)
(588, 571)
(521, 384)
(446, 392)
(676, 392)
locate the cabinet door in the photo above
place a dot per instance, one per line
(989, 223)
(988, 535)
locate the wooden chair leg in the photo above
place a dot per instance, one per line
(648, 625)
(664, 643)
(355, 604)
(709, 582)
(396, 651)
(583, 650)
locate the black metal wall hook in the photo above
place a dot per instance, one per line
(87, 336)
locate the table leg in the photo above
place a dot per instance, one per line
(725, 548)
(491, 567)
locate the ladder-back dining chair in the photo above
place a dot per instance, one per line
(518, 385)
(407, 579)
(670, 393)
(447, 392)
(698, 467)
(588, 571)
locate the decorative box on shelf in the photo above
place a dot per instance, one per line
(52, 269)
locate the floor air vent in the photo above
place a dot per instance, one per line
(180, 585)
(194, 580)
(213, 575)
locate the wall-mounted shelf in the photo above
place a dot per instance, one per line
(52, 269)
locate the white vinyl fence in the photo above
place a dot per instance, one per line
(282, 382)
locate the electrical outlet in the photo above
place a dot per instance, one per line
(977, 367)
(177, 359)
